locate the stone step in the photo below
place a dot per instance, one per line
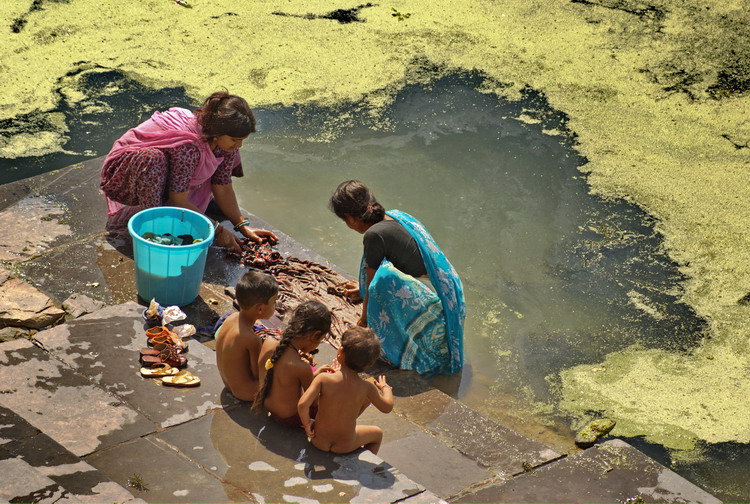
(35, 468)
(83, 391)
(611, 471)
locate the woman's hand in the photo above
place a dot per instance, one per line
(351, 290)
(257, 235)
(227, 239)
(362, 322)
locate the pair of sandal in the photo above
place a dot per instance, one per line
(171, 376)
(164, 354)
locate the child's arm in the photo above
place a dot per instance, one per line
(305, 374)
(381, 395)
(303, 405)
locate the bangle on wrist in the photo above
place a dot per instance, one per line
(243, 222)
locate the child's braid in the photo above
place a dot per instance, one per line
(307, 318)
(265, 389)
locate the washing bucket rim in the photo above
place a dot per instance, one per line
(204, 244)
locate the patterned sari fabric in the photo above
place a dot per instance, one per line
(136, 165)
(418, 329)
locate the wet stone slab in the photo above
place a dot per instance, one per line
(612, 471)
(63, 404)
(35, 468)
(104, 346)
(22, 483)
(491, 445)
(154, 472)
(54, 210)
(441, 468)
(432, 464)
(92, 267)
(488, 443)
(277, 464)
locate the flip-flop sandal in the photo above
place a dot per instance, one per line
(182, 379)
(158, 370)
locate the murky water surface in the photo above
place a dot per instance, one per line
(553, 276)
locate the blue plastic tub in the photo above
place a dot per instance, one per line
(170, 274)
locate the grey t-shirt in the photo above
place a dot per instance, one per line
(389, 239)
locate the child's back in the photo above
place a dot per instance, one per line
(343, 396)
(237, 350)
(282, 372)
(237, 345)
(291, 375)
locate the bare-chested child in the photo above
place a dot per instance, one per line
(284, 375)
(237, 345)
(342, 396)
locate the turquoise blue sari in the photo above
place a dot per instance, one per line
(419, 328)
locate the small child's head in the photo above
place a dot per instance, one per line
(360, 347)
(256, 293)
(308, 325)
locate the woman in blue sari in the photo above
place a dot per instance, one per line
(412, 296)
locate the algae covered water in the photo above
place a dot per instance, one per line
(555, 278)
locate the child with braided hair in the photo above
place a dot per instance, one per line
(284, 375)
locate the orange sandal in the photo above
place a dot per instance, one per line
(157, 331)
(168, 339)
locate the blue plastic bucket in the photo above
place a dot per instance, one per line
(170, 274)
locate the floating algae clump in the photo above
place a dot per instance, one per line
(593, 431)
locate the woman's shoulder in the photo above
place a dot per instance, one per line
(387, 228)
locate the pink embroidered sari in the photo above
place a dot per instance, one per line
(165, 130)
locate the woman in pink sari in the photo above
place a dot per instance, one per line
(184, 159)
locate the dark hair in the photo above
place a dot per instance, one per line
(361, 348)
(307, 318)
(355, 199)
(225, 114)
(255, 287)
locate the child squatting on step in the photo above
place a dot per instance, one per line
(237, 344)
(342, 396)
